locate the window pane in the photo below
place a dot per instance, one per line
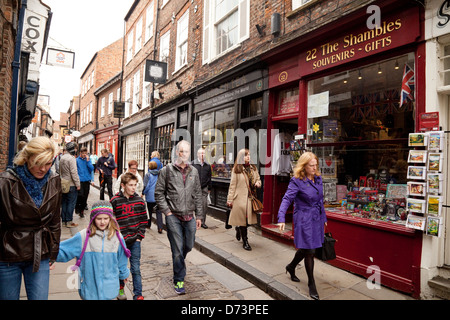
(227, 33)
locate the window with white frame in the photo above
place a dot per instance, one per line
(225, 26)
(136, 91)
(118, 95)
(127, 97)
(182, 41)
(135, 148)
(130, 46)
(90, 111)
(164, 2)
(164, 47)
(299, 3)
(110, 103)
(102, 111)
(93, 74)
(146, 93)
(138, 44)
(149, 21)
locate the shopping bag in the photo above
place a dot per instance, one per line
(327, 251)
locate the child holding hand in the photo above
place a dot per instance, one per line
(101, 253)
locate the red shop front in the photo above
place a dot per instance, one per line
(339, 96)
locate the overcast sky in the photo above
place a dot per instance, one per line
(85, 27)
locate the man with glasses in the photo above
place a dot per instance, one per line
(133, 168)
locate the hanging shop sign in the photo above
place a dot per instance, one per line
(60, 58)
(394, 31)
(155, 71)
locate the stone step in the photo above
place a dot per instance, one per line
(442, 285)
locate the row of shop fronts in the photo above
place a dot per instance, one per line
(336, 92)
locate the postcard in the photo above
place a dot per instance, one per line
(417, 173)
(418, 140)
(434, 205)
(415, 205)
(435, 140)
(396, 191)
(417, 156)
(417, 188)
(434, 183)
(415, 222)
(435, 162)
(434, 226)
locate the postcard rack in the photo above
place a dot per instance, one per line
(425, 182)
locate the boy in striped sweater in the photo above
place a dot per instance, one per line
(130, 213)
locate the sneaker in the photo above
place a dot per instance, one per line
(179, 288)
(139, 298)
(71, 224)
(121, 295)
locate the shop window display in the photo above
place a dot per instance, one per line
(359, 130)
(217, 137)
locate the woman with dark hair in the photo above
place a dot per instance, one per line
(244, 181)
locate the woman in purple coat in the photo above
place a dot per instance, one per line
(306, 191)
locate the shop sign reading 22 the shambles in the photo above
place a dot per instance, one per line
(394, 31)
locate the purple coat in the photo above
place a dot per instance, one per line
(309, 212)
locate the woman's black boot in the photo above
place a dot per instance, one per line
(245, 245)
(238, 233)
(309, 266)
(291, 271)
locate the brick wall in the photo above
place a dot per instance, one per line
(9, 10)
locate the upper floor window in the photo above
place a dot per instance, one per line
(149, 21)
(164, 47)
(182, 41)
(299, 3)
(130, 46)
(225, 26)
(138, 44)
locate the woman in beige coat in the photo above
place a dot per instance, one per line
(243, 176)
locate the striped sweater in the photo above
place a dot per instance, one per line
(131, 214)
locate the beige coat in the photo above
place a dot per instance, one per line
(238, 196)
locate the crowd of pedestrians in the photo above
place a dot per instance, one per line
(43, 189)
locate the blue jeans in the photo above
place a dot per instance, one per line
(36, 283)
(68, 202)
(181, 236)
(135, 268)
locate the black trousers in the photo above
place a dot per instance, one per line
(83, 194)
(105, 181)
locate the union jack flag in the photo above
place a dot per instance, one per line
(407, 85)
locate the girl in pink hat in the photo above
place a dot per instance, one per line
(102, 257)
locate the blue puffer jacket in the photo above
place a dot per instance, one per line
(103, 264)
(150, 182)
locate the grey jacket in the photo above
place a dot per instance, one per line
(68, 169)
(173, 195)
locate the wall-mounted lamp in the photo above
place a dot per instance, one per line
(179, 84)
(173, 17)
(261, 30)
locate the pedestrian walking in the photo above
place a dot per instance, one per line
(244, 177)
(102, 257)
(149, 192)
(133, 168)
(68, 171)
(129, 211)
(306, 191)
(178, 196)
(106, 165)
(155, 156)
(204, 172)
(85, 169)
(30, 225)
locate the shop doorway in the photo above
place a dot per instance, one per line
(447, 170)
(283, 163)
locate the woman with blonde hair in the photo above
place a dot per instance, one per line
(30, 226)
(306, 191)
(244, 181)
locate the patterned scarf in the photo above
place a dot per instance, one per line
(251, 178)
(32, 185)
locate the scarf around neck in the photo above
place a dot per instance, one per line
(32, 184)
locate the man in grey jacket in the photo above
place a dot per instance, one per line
(68, 171)
(178, 195)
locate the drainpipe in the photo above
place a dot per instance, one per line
(15, 86)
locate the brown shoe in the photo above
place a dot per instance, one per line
(71, 225)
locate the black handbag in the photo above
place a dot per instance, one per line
(327, 251)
